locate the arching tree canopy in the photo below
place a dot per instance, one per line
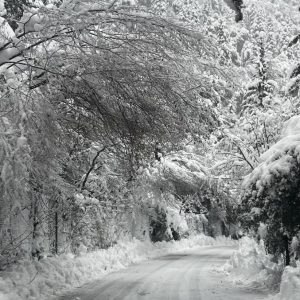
(112, 110)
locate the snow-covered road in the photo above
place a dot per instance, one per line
(184, 275)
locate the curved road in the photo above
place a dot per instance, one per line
(186, 275)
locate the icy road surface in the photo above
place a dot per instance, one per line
(185, 275)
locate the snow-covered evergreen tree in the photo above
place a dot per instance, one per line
(272, 193)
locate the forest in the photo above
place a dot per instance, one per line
(148, 120)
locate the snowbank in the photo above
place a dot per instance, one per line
(32, 280)
(290, 284)
(250, 265)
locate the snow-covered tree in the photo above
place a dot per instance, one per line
(114, 79)
(272, 193)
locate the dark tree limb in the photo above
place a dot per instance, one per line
(92, 167)
(244, 156)
(294, 41)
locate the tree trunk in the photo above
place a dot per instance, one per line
(286, 248)
(35, 251)
(56, 228)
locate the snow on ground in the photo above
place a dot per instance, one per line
(184, 275)
(32, 280)
(251, 266)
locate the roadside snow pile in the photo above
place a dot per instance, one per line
(250, 265)
(32, 280)
(290, 284)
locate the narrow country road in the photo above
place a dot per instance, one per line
(187, 275)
